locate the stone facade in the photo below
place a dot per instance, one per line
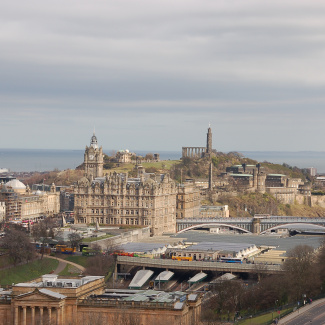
(93, 159)
(211, 211)
(188, 201)
(67, 199)
(2, 211)
(22, 203)
(252, 178)
(124, 156)
(80, 301)
(147, 200)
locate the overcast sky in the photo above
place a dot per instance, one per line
(152, 75)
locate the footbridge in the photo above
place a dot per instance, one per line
(258, 224)
(170, 264)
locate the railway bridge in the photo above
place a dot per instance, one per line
(259, 224)
(170, 264)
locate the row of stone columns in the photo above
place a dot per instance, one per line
(193, 151)
(22, 311)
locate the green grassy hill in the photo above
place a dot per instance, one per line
(27, 272)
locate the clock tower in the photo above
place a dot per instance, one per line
(93, 159)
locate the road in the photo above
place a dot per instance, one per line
(313, 315)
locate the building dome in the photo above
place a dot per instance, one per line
(93, 141)
(15, 184)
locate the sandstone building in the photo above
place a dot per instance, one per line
(2, 211)
(93, 159)
(23, 204)
(147, 200)
(125, 156)
(252, 178)
(82, 301)
(188, 201)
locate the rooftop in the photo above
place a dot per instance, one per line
(53, 281)
(176, 299)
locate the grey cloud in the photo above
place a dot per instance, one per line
(163, 67)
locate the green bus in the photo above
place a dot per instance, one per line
(87, 251)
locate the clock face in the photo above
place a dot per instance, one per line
(91, 157)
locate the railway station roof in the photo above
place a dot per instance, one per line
(140, 278)
(198, 277)
(164, 276)
(220, 246)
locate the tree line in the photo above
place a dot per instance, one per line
(302, 280)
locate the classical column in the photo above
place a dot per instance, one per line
(16, 315)
(33, 315)
(50, 314)
(41, 315)
(24, 315)
(58, 316)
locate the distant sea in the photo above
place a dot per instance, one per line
(40, 160)
(26, 160)
(301, 159)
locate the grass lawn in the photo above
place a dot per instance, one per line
(121, 169)
(27, 272)
(165, 164)
(91, 239)
(81, 260)
(263, 318)
(4, 261)
(70, 270)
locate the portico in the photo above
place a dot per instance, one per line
(39, 307)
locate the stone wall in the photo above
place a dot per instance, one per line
(126, 237)
(5, 314)
(318, 200)
(134, 313)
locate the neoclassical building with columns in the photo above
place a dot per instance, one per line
(53, 300)
(146, 200)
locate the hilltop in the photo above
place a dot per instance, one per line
(241, 205)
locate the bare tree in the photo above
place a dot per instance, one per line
(301, 271)
(321, 265)
(149, 156)
(100, 264)
(18, 246)
(74, 239)
(44, 231)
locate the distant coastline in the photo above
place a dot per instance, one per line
(301, 159)
(26, 160)
(29, 160)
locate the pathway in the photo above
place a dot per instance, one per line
(63, 264)
(60, 267)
